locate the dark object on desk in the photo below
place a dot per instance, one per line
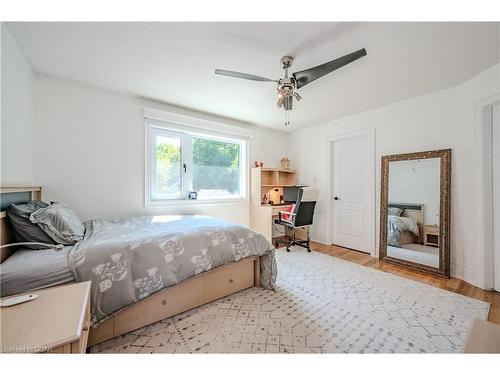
(302, 216)
(264, 199)
(290, 193)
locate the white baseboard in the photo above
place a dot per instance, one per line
(457, 271)
(471, 277)
(319, 237)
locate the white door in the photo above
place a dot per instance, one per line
(353, 196)
(496, 196)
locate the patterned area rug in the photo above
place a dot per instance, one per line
(322, 305)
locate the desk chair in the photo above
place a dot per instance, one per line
(301, 216)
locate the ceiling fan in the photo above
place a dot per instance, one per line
(287, 85)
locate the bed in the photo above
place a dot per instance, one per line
(145, 269)
(407, 227)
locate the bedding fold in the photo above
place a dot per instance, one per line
(130, 259)
(397, 224)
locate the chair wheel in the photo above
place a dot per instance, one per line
(287, 249)
(308, 250)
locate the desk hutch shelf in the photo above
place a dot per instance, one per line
(265, 181)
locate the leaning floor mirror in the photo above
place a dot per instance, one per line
(415, 211)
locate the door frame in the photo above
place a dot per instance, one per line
(370, 132)
(484, 186)
(495, 130)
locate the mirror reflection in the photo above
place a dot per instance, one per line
(413, 206)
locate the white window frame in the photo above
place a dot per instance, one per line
(186, 134)
(153, 133)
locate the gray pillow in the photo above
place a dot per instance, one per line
(60, 223)
(394, 211)
(24, 230)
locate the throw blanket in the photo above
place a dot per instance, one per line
(397, 224)
(129, 259)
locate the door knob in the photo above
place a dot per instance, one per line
(336, 198)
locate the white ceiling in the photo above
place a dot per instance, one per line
(175, 62)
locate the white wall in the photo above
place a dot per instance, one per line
(474, 94)
(443, 119)
(425, 123)
(416, 182)
(90, 151)
(16, 113)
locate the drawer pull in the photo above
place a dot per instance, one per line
(164, 302)
(231, 280)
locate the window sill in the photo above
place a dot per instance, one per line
(194, 202)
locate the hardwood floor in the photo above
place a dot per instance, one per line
(453, 285)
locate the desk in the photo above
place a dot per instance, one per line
(269, 183)
(262, 220)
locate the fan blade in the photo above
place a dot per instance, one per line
(307, 76)
(251, 77)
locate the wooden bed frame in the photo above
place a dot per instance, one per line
(193, 292)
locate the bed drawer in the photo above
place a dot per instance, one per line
(193, 292)
(228, 280)
(167, 302)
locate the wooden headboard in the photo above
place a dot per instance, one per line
(413, 211)
(8, 196)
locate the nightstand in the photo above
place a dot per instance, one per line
(431, 235)
(58, 321)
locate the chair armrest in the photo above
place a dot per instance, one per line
(280, 219)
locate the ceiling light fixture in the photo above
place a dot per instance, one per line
(287, 85)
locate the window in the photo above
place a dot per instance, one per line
(183, 162)
(166, 165)
(216, 168)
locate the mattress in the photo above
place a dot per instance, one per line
(34, 269)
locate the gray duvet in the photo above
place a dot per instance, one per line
(129, 259)
(397, 224)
